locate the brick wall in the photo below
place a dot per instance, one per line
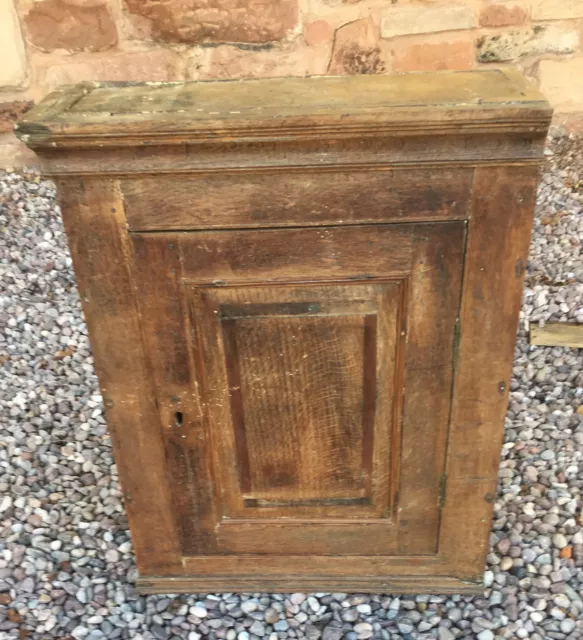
(45, 43)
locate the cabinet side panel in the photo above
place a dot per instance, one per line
(94, 220)
(496, 256)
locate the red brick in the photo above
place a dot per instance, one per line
(453, 56)
(499, 15)
(15, 154)
(232, 62)
(357, 49)
(318, 32)
(11, 111)
(157, 65)
(194, 21)
(56, 24)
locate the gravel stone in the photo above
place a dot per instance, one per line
(364, 630)
(405, 626)
(314, 604)
(454, 614)
(281, 625)
(112, 555)
(567, 625)
(248, 606)
(297, 598)
(559, 541)
(332, 633)
(350, 615)
(257, 628)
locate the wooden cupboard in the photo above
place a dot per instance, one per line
(302, 296)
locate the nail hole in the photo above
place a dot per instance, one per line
(179, 418)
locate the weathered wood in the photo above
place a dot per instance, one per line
(295, 255)
(491, 100)
(163, 318)
(302, 297)
(402, 584)
(557, 334)
(300, 407)
(433, 310)
(268, 200)
(306, 565)
(438, 150)
(94, 220)
(496, 256)
(358, 122)
(302, 383)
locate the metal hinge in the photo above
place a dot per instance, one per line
(442, 490)
(457, 334)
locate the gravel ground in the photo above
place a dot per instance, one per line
(66, 563)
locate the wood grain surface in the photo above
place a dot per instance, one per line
(301, 375)
(93, 216)
(492, 288)
(109, 113)
(268, 200)
(302, 298)
(558, 334)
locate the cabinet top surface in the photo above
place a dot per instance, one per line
(241, 106)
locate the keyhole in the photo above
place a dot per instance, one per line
(178, 418)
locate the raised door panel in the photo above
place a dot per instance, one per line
(304, 381)
(300, 384)
(308, 375)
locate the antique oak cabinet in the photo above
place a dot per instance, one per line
(302, 296)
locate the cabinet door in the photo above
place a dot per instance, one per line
(303, 381)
